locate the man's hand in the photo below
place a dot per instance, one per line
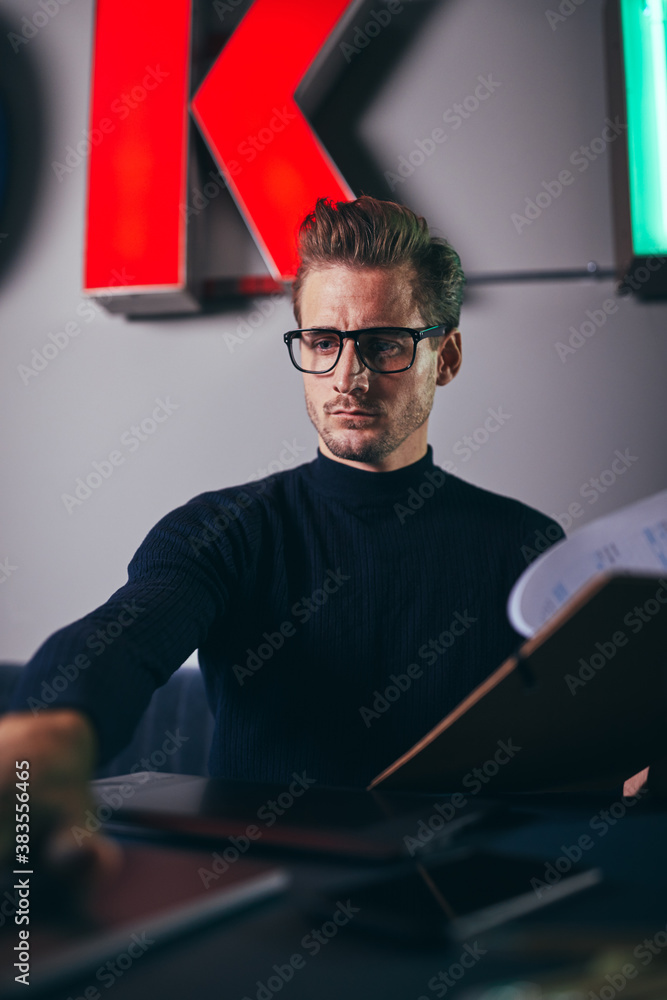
(60, 747)
(653, 777)
(632, 785)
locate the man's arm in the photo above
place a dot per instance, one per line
(80, 697)
(107, 664)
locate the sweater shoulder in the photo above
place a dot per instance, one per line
(497, 506)
(253, 496)
(242, 509)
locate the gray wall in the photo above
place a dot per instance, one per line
(235, 408)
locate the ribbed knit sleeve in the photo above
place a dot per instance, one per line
(108, 663)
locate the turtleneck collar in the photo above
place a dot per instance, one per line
(340, 479)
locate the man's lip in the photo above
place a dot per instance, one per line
(357, 413)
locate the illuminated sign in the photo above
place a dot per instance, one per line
(139, 146)
(637, 68)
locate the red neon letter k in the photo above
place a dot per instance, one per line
(272, 161)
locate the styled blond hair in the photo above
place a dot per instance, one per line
(368, 232)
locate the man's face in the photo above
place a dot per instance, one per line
(362, 416)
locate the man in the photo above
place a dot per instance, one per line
(341, 608)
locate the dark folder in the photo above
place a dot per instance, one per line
(581, 704)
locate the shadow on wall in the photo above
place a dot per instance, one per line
(342, 84)
(21, 138)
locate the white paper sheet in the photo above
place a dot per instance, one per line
(633, 539)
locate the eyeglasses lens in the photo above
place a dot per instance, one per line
(385, 350)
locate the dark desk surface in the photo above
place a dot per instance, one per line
(231, 959)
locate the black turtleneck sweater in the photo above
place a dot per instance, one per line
(339, 614)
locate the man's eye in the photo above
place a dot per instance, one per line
(383, 346)
(323, 345)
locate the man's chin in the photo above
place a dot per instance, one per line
(358, 445)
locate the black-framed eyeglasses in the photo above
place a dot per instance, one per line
(382, 349)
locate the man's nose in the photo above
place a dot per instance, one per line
(350, 373)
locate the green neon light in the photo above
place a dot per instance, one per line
(645, 55)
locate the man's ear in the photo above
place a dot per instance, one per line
(449, 357)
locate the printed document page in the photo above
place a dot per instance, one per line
(633, 540)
